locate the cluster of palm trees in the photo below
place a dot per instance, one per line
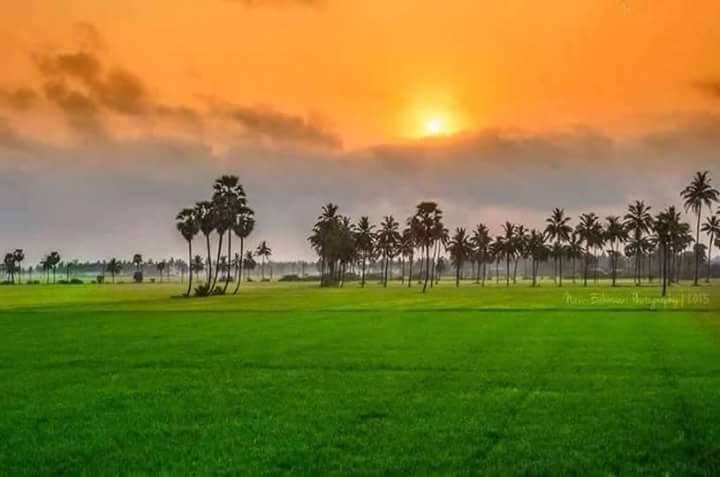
(638, 235)
(225, 215)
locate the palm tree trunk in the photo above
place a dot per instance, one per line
(362, 281)
(410, 274)
(229, 261)
(217, 263)
(427, 267)
(190, 257)
(209, 257)
(560, 268)
(240, 266)
(707, 277)
(507, 270)
(457, 275)
(697, 248)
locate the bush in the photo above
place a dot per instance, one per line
(6, 282)
(76, 281)
(99, 279)
(138, 277)
(204, 290)
(62, 282)
(296, 278)
(33, 282)
(152, 280)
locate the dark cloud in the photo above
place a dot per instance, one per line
(122, 92)
(710, 87)
(20, 99)
(282, 127)
(80, 111)
(81, 65)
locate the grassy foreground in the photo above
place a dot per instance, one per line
(292, 379)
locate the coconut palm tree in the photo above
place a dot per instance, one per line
(508, 248)
(249, 263)
(188, 226)
(638, 223)
(667, 228)
(481, 241)
(574, 251)
(558, 230)
(407, 252)
(441, 236)
(538, 251)
(616, 235)
(460, 250)
(365, 244)
(243, 227)
(388, 241)
(114, 267)
(264, 252)
(587, 230)
(427, 215)
(712, 228)
(697, 195)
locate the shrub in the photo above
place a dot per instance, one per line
(33, 282)
(152, 280)
(138, 277)
(6, 282)
(204, 290)
(76, 281)
(99, 279)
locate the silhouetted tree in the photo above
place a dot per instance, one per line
(697, 195)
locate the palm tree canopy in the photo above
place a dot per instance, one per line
(700, 193)
(558, 228)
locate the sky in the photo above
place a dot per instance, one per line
(116, 114)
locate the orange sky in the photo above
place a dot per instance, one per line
(377, 71)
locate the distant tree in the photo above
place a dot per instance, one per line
(507, 248)
(114, 267)
(264, 252)
(249, 262)
(206, 216)
(388, 242)
(697, 195)
(575, 251)
(407, 252)
(161, 266)
(427, 216)
(481, 241)
(588, 229)
(638, 223)
(137, 260)
(538, 251)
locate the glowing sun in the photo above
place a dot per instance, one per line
(434, 127)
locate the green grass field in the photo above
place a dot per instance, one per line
(291, 379)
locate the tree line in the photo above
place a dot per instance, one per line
(639, 235)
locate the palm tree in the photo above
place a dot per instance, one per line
(265, 253)
(243, 227)
(114, 267)
(161, 266)
(388, 240)
(558, 229)
(441, 236)
(616, 235)
(407, 251)
(196, 265)
(137, 260)
(697, 195)
(481, 241)
(229, 201)
(426, 217)
(365, 244)
(508, 248)
(574, 251)
(188, 226)
(712, 228)
(249, 263)
(538, 251)
(460, 250)
(638, 222)
(207, 218)
(587, 230)
(322, 240)
(667, 229)
(18, 257)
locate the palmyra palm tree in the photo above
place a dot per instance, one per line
(638, 222)
(697, 195)
(264, 252)
(712, 228)
(243, 227)
(206, 217)
(229, 201)
(114, 267)
(460, 250)
(365, 242)
(616, 235)
(558, 229)
(188, 226)
(388, 242)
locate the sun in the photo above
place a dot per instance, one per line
(434, 127)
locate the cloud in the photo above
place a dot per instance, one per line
(19, 99)
(10, 139)
(281, 127)
(80, 111)
(710, 87)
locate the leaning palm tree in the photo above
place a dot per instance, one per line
(243, 227)
(558, 229)
(264, 252)
(712, 228)
(188, 226)
(697, 195)
(460, 250)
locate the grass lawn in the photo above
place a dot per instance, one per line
(288, 378)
